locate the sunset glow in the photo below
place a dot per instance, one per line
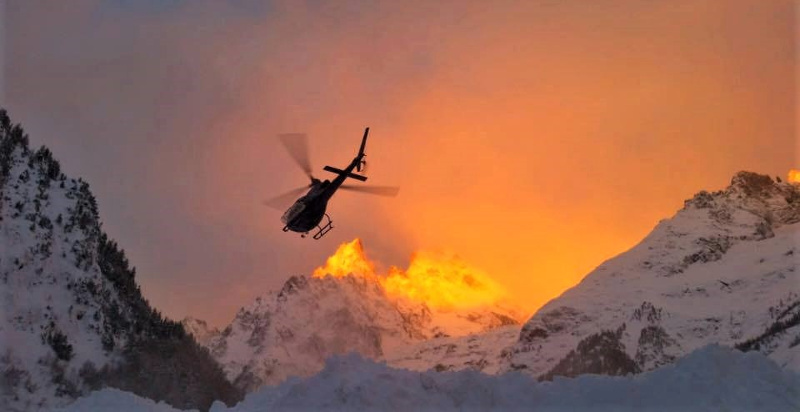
(794, 176)
(252, 204)
(439, 280)
(534, 139)
(349, 259)
(445, 282)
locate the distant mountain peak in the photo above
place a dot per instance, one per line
(754, 184)
(776, 202)
(718, 271)
(346, 305)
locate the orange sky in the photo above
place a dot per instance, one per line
(534, 139)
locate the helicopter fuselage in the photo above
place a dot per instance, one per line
(307, 212)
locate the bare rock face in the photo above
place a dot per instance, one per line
(655, 348)
(724, 269)
(601, 354)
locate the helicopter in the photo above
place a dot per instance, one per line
(308, 211)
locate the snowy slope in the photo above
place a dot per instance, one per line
(53, 294)
(477, 351)
(202, 332)
(723, 270)
(710, 379)
(71, 314)
(293, 331)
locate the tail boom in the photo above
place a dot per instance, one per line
(344, 173)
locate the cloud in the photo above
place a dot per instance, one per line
(533, 138)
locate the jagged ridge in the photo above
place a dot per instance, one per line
(294, 330)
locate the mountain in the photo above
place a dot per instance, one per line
(73, 318)
(291, 332)
(723, 270)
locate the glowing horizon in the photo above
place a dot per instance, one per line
(440, 281)
(534, 139)
(793, 176)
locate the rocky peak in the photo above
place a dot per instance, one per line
(777, 203)
(753, 184)
(292, 286)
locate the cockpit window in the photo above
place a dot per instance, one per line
(292, 212)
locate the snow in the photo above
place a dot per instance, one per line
(202, 332)
(110, 399)
(712, 378)
(38, 271)
(478, 351)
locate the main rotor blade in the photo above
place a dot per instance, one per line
(282, 201)
(389, 191)
(297, 146)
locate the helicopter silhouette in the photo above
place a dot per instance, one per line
(307, 212)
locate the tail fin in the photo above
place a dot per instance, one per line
(363, 143)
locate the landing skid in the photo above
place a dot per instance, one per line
(324, 229)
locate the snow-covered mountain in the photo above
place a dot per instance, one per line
(723, 270)
(72, 317)
(293, 331)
